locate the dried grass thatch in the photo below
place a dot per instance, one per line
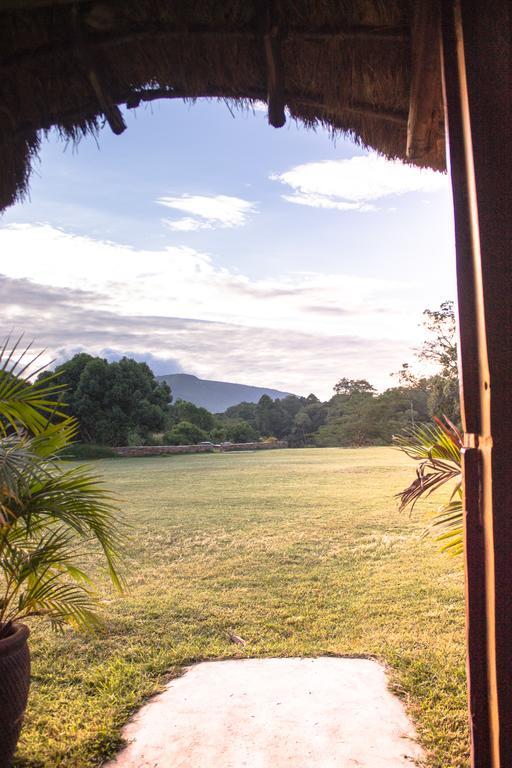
(366, 68)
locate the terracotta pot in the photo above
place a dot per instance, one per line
(14, 685)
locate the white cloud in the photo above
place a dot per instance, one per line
(210, 211)
(300, 329)
(186, 224)
(181, 281)
(322, 201)
(356, 183)
(293, 361)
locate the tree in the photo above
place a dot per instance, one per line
(114, 402)
(350, 422)
(69, 374)
(444, 398)
(241, 432)
(362, 418)
(316, 412)
(440, 351)
(302, 427)
(272, 418)
(182, 410)
(244, 411)
(185, 433)
(291, 404)
(353, 386)
(218, 433)
(440, 347)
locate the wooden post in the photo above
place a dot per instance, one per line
(422, 122)
(110, 109)
(477, 70)
(275, 69)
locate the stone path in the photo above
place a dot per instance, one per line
(323, 712)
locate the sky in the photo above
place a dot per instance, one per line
(204, 241)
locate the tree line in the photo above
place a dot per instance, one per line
(121, 403)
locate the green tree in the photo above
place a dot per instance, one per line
(182, 410)
(348, 420)
(185, 433)
(114, 401)
(440, 346)
(353, 387)
(291, 404)
(443, 397)
(243, 411)
(218, 433)
(302, 428)
(69, 375)
(272, 418)
(362, 418)
(439, 350)
(241, 432)
(316, 411)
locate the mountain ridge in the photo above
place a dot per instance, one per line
(214, 395)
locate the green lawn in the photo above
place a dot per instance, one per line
(298, 551)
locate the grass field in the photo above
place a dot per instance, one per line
(298, 551)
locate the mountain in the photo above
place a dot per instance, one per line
(216, 396)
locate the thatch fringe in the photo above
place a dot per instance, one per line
(343, 64)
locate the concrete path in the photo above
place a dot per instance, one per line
(273, 713)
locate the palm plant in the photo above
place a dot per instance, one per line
(50, 516)
(437, 448)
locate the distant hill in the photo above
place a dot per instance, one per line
(216, 396)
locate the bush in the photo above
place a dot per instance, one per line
(184, 411)
(218, 434)
(241, 433)
(185, 433)
(134, 439)
(81, 451)
(155, 439)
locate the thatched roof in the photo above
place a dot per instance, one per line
(367, 68)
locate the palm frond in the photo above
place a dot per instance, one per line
(448, 525)
(78, 499)
(16, 468)
(55, 437)
(431, 475)
(42, 579)
(50, 516)
(25, 404)
(437, 448)
(426, 441)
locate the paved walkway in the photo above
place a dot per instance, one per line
(273, 713)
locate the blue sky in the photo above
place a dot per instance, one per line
(217, 245)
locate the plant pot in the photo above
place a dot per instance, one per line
(14, 685)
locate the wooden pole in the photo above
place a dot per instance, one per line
(425, 80)
(108, 106)
(133, 99)
(477, 68)
(275, 68)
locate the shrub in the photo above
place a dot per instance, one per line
(81, 451)
(49, 515)
(185, 433)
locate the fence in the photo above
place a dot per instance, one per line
(163, 450)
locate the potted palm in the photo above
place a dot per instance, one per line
(50, 515)
(437, 449)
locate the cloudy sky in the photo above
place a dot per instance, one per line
(210, 243)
